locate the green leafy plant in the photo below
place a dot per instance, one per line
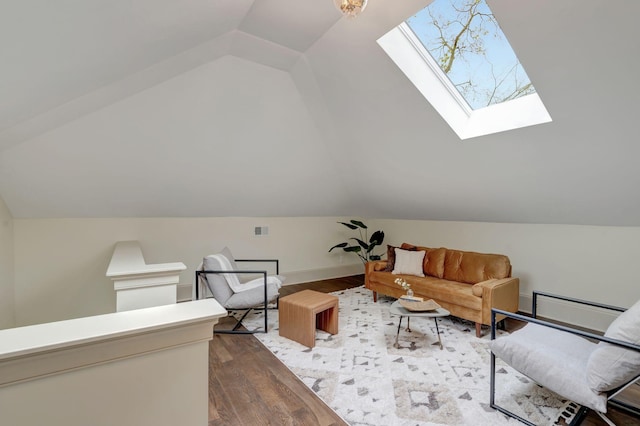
(365, 245)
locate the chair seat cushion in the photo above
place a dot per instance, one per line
(252, 298)
(554, 359)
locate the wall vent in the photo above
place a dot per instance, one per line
(261, 230)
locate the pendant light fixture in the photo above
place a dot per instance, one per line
(351, 8)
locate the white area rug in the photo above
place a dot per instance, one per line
(367, 381)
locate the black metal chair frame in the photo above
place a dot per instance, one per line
(264, 307)
(595, 337)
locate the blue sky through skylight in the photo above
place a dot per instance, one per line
(484, 68)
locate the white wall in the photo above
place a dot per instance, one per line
(596, 263)
(6, 267)
(61, 263)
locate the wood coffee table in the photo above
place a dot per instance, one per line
(299, 314)
(397, 309)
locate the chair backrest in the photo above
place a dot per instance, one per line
(610, 366)
(216, 283)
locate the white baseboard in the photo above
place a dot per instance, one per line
(560, 310)
(295, 277)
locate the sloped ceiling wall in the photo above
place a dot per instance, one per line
(313, 119)
(227, 137)
(578, 169)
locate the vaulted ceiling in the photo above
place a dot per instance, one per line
(114, 108)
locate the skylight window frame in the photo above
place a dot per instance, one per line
(410, 55)
(412, 38)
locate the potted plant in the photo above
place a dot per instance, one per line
(365, 245)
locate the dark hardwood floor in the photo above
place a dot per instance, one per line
(249, 386)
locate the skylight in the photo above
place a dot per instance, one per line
(455, 53)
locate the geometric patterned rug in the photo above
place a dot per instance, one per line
(367, 381)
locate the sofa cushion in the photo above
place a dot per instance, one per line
(435, 262)
(451, 292)
(433, 259)
(471, 268)
(447, 292)
(409, 262)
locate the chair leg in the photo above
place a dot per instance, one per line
(266, 307)
(235, 330)
(239, 323)
(502, 325)
(375, 296)
(606, 419)
(266, 323)
(478, 329)
(579, 417)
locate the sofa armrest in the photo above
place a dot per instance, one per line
(502, 294)
(369, 268)
(375, 265)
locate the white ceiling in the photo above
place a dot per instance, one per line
(283, 108)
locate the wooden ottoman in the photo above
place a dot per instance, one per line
(299, 315)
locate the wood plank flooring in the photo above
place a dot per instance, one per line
(249, 386)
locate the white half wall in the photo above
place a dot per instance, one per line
(596, 263)
(61, 263)
(142, 367)
(7, 319)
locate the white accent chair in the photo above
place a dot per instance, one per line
(588, 369)
(221, 277)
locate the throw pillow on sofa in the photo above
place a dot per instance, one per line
(409, 262)
(433, 264)
(391, 257)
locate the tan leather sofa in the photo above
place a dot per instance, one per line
(467, 284)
